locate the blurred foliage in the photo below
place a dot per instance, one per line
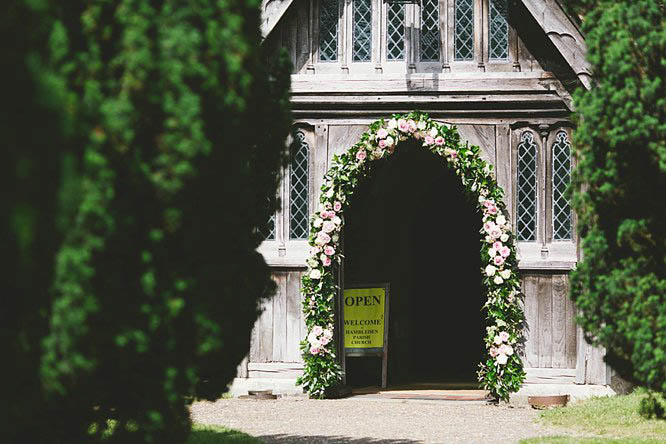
(175, 126)
(36, 124)
(620, 286)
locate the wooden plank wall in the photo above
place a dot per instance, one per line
(550, 331)
(280, 328)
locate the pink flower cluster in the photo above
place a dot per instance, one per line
(502, 349)
(497, 234)
(318, 339)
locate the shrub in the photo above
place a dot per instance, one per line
(619, 286)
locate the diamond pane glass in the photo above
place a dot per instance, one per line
(268, 230)
(328, 30)
(362, 30)
(464, 30)
(430, 30)
(298, 173)
(526, 225)
(498, 42)
(395, 31)
(561, 179)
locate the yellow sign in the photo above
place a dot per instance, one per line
(364, 317)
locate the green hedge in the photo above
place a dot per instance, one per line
(620, 286)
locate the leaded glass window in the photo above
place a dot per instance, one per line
(498, 34)
(526, 219)
(430, 30)
(362, 30)
(464, 30)
(561, 179)
(268, 230)
(298, 196)
(328, 30)
(395, 31)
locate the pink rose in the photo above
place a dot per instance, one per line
(488, 226)
(411, 126)
(382, 133)
(454, 154)
(403, 125)
(324, 340)
(361, 155)
(495, 232)
(492, 210)
(328, 227)
(329, 251)
(504, 336)
(429, 140)
(498, 260)
(497, 245)
(322, 238)
(317, 330)
(506, 349)
(505, 251)
(493, 352)
(337, 206)
(382, 144)
(326, 261)
(315, 350)
(439, 140)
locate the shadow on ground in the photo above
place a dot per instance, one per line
(296, 439)
(222, 435)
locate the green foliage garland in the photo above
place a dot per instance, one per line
(502, 372)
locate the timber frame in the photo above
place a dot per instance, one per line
(492, 104)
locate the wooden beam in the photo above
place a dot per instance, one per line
(271, 13)
(564, 34)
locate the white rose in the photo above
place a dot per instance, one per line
(318, 221)
(315, 274)
(501, 220)
(506, 274)
(498, 280)
(433, 133)
(312, 262)
(336, 220)
(330, 193)
(506, 350)
(492, 252)
(481, 199)
(392, 124)
(504, 237)
(501, 359)
(490, 270)
(498, 340)
(421, 125)
(335, 238)
(390, 141)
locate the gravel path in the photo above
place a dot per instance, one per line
(296, 420)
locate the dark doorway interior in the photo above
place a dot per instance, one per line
(410, 224)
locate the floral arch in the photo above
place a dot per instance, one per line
(502, 371)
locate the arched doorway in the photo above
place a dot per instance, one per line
(501, 372)
(397, 230)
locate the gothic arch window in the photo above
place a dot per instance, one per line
(562, 226)
(299, 173)
(526, 217)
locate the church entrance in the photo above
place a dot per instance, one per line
(411, 225)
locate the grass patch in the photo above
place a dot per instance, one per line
(208, 434)
(573, 440)
(611, 419)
